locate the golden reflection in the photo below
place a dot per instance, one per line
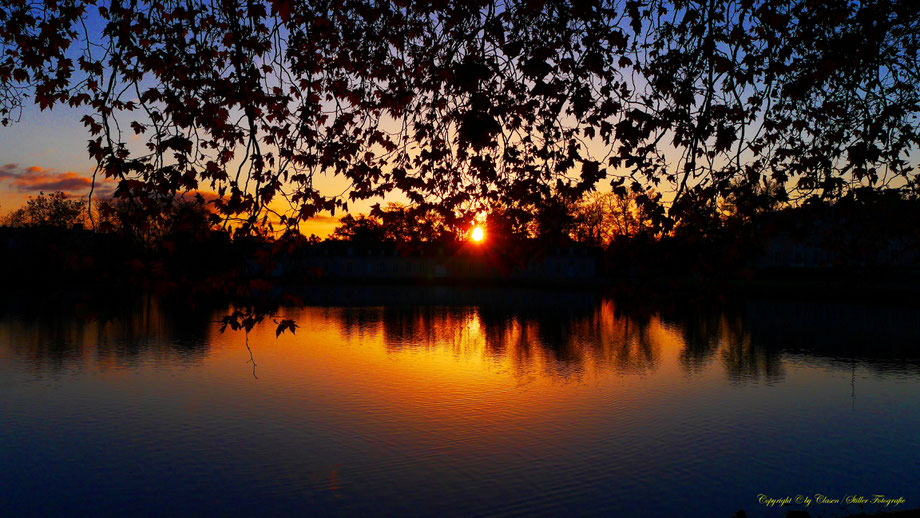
(514, 338)
(549, 343)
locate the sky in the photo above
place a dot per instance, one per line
(45, 151)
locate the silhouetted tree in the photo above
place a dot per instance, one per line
(359, 228)
(394, 223)
(463, 105)
(189, 218)
(51, 210)
(601, 218)
(744, 201)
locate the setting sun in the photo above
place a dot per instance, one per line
(478, 234)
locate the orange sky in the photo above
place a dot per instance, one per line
(45, 151)
(18, 182)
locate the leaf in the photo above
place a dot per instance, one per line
(591, 172)
(284, 325)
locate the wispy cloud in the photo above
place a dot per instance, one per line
(36, 178)
(41, 181)
(8, 171)
(322, 218)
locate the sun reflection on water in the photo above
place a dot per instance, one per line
(513, 403)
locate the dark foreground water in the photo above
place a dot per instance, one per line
(433, 402)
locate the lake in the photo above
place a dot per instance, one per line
(422, 401)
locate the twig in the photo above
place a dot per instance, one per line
(251, 359)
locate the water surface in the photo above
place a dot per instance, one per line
(437, 401)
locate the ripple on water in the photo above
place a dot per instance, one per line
(453, 411)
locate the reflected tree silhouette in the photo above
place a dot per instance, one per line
(360, 321)
(56, 337)
(701, 340)
(876, 336)
(562, 342)
(744, 361)
(528, 332)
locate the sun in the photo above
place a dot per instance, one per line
(478, 234)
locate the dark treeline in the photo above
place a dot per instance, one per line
(54, 240)
(867, 231)
(50, 246)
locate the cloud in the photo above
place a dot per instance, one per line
(8, 170)
(41, 181)
(322, 218)
(106, 189)
(36, 178)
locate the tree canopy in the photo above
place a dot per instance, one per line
(51, 210)
(395, 223)
(459, 106)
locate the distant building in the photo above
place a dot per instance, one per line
(840, 237)
(786, 251)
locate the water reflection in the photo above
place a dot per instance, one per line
(879, 336)
(122, 335)
(562, 340)
(726, 336)
(457, 402)
(553, 334)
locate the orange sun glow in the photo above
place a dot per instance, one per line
(478, 234)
